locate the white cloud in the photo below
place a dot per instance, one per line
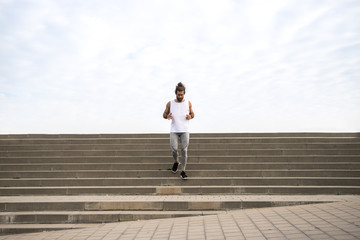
(112, 66)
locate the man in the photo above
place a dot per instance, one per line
(179, 111)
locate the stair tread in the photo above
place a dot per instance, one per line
(165, 170)
(187, 212)
(188, 186)
(167, 163)
(175, 198)
(174, 177)
(47, 226)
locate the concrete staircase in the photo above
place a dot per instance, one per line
(66, 179)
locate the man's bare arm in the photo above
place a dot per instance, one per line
(191, 110)
(191, 114)
(166, 113)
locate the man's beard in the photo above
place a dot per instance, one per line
(179, 99)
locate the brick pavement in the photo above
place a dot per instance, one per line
(339, 220)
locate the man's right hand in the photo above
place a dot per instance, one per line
(169, 116)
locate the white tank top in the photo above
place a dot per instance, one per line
(179, 112)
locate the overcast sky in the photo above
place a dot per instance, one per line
(111, 66)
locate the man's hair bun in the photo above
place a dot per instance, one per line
(180, 87)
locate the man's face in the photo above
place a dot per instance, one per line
(180, 95)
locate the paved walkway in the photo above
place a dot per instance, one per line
(339, 220)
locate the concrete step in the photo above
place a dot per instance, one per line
(128, 206)
(168, 173)
(167, 166)
(176, 190)
(194, 135)
(316, 165)
(71, 217)
(176, 181)
(194, 153)
(154, 203)
(166, 140)
(85, 136)
(192, 146)
(191, 159)
(6, 229)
